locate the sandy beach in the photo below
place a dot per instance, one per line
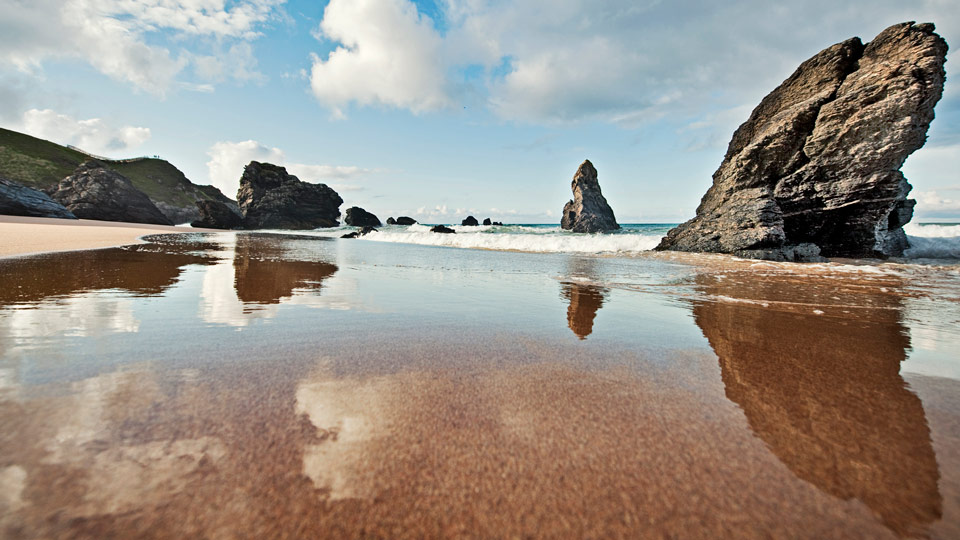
(29, 235)
(291, 386)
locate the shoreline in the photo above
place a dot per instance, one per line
(25, 236)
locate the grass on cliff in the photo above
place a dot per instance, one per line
(42, 164)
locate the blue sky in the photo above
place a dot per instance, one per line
(440, 108)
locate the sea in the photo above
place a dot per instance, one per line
(927, 240)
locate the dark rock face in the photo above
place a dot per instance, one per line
(487, 221)
(498, 223)
(358, 217)
(588, 212)
(391, 221)
(269, 198)
(217, 215)
(816, 167)
(96, 192)
(17, 200)
(442, 229)
(404, 220)
(470, 221)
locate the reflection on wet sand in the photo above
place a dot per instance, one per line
(585, 299)
(266, 273)
(147, 269)
(824, 392)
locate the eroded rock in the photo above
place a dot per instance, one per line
(588, 212)
(816, 168)
(95, 192)
(269, 198)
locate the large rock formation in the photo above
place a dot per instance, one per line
(17, 200)
(217, 215)
(588, 212)
(358, 217)
(404, 220)
(269, 198)
(95, 192)
(470, 221)
(816, 167)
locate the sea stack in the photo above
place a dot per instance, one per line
(815, 170)
(269, 198)
(588, 212)
(358, 217)
(94, 191)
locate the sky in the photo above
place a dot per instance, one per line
(437, 109)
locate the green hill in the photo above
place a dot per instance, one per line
(42, 164)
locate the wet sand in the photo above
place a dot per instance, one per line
(245, 385)
(29, 235)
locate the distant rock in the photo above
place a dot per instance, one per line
(588, 212)
(391, 221)
(404, 220)
(269, 198)
(498, 223)
(816, 168)
(442, 229)
(362, 232)
(96, 192)
(358, 217)
(487, 221)
(217, 215)
(470, 221)
(17, 200)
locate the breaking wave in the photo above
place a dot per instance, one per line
(933, 241)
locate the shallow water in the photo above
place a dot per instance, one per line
(244, 384)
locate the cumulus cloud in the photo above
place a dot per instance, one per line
(389, 55)
(625, 62)
(227, 160)
(112, 35)
(93, 135)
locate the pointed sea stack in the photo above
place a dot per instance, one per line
(816, 168)
(588, 212)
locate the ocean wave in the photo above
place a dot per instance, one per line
(540, 241)
(932, 241)
(932, 230)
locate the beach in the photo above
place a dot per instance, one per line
(251, 384)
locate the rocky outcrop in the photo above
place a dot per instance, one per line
(217, 215)
(95, 192)
(442, 229)
(470, 221)
(816, 167)
(487, 221)
(358, 217)
(269, 198)
(588, 212)
(17, 200)
(391, 221)
(404, 220)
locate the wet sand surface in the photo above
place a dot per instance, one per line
(241, 385)
(29, 235)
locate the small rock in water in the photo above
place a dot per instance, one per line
(404, 220)
(442, 229)
(391, 221)
(487, 222)
(470, 221)
(358, 217)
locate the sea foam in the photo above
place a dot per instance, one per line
(932, 241)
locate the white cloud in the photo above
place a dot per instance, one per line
(934, 166)
(624, 62)
(93, 135)
(112, 35)
(227, 160)
(389, 55)
(933, 203)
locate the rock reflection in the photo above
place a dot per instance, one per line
(266, 273)
(825, 393)
(147, 269)
(585, 299)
